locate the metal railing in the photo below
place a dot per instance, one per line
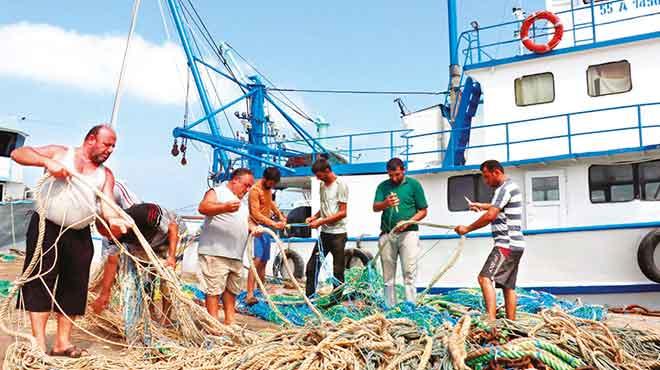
(565, 130)
(482, 44)
(360, 147)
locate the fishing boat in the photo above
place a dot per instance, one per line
(15, 202)
(563, 96)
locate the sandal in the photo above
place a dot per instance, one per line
(71, 352)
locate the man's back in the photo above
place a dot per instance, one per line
(507, 227)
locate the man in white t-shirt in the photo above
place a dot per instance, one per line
(331, 218)
(223, 240)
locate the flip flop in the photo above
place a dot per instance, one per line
(71, 352)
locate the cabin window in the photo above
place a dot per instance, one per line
(545, 189)
(609, 78)
(535, 89)
(10, 141)
(611, 183)
(649, 180)
(625, 182)
(467, 186)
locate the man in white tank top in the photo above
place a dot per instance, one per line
(223, 240)
(71, 208)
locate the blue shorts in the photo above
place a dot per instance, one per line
(262, 246)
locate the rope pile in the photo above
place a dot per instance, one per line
(349, 329)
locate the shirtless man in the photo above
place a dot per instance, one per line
(69, 209)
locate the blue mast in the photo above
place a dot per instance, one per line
(453, 32)
(454, 67)
(258, 123)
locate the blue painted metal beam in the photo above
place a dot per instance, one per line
(452, 23)
(259, 127)
(214, 69)
(315, 145)
(213, 141)
(219, 110)
(228, 142)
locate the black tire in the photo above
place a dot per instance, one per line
(645, 255)
(298, 266)
(352, 256)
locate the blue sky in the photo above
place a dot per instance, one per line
(371, 45)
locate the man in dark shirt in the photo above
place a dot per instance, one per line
(162, 228)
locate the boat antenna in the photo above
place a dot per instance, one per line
(402, 107)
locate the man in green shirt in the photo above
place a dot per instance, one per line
(400, 198)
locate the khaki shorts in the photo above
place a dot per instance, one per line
(221, 273)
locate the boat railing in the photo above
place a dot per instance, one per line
(583, 25)
(629, 127)
(362, 147)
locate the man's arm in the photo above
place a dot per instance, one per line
(209, 206)
(485, 219)
(173, 240)
(109, 273)
(253, 228)
(118, 226)
(109, 190)
(382, 201)
(418, 216)
(475, 206)
(278, 213)
(420, 204)
(330, 219)
(42, 157)
(342, 205)
(313, 217)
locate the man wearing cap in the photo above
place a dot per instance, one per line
(163, 230)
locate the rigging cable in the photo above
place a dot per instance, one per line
(208, 37)
(117, 100)
(215, 90)
(297, 109)
(370, 92)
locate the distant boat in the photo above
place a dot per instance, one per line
(16, 204)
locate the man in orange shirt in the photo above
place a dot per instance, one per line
(262, 209)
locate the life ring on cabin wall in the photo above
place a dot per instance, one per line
(527, 25)
(645, 255)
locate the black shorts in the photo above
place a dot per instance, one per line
(69, 263)
(501, 269)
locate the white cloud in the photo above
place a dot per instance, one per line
(46, 53)
(156, 73)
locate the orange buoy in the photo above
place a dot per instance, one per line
(527, 25)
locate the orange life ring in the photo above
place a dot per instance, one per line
(527, 24)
